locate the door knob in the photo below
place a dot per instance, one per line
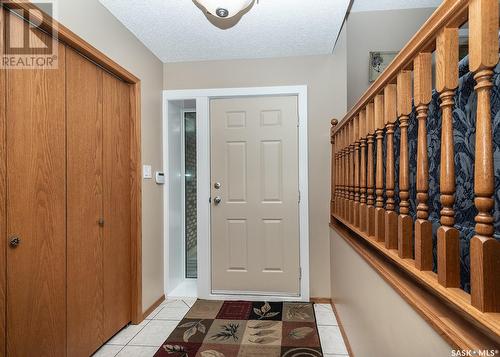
(14, 241)
(101, 222)
(217, 185)
(217, 200)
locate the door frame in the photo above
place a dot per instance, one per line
(203, 97)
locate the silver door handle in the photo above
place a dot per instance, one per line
(217, 200)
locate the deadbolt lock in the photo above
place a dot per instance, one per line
(217, 185)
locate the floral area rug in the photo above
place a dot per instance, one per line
(245, 329)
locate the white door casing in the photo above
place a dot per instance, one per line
(255, 226)
(203, 97)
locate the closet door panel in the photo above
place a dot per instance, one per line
(85, 207)
(36, 210)
(117, 279)
(3, 194)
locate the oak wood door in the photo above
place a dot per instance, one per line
(85, 205)
(255, 231)
(3, 195)
(117, 209)
(36, 206)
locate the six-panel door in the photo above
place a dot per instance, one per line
(255, 231)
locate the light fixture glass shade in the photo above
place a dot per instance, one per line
(224, 8)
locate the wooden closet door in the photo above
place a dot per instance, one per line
(3, 194)
(117, 215)
(85, 205)
(36, 207)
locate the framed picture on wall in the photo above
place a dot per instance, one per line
(379, 60)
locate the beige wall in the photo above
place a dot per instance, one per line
(376, 31)
(91, 21)
(326, 80)
(377, 321)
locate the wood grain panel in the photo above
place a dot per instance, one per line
(36, 276)
(3, 196)
(136, 202)
(74, 41)
(85, 205)
(117, 216)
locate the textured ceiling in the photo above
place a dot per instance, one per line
(177, 30)
(376, 5)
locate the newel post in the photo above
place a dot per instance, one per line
(484, 249)
(422, 66)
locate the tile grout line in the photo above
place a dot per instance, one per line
(121, 349)
(123, 346)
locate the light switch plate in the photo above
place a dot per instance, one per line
(147, 172)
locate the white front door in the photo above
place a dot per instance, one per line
(254, 173)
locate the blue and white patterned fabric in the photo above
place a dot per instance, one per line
(464, 115)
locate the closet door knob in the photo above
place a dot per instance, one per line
(14, 242)
(101, 222)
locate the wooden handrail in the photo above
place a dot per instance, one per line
(358, 156)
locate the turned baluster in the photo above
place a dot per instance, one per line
(379, 203)
(351, 172)
(341, 173)
(484, 249)
(346, 173)
(391, 217)
(337, 173)
(422, 66)
(405, 222)
(448, 244)
(370, 200)
(362, 168)
(355, 220)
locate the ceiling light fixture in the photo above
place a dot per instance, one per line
(224, 8)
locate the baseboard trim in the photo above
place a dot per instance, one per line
(320, 300)
(342, 330)
(152, 307)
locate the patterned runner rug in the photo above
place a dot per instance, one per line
(245, 329)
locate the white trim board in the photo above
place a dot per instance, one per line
(202, 97)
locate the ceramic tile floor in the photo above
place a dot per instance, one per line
(143, 340)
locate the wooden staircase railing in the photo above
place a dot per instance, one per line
(359, 183)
